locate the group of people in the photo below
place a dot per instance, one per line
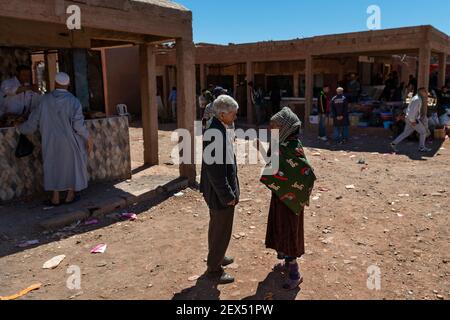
(394, 90)
(337, 109)
(262, 109)
(418, 116)
(422, 118)
(291, 188)
(58, 116)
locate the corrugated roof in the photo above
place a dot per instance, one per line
(164, 3)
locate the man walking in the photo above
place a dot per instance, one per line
(219, 185)
(413, 121)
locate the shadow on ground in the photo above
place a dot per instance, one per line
(271, 289)
(20, 220)
(204, 289)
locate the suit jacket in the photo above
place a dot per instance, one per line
(219, 181)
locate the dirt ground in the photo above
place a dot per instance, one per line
(396, 218)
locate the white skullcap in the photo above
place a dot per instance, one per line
(62, 79)
(340, 89)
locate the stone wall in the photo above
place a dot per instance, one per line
(110, 160)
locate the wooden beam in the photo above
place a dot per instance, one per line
(50, 63)
(186, 100)
(40, 35)
(109, 109)
(127, 37)
(148, 103)
(146, 18)
(250, 78)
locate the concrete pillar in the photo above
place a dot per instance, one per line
(186, 112)
(424, 67)
(149, 105)
(442, 69)
(296, 85)
(250, 78)
(50, 62)
(309, 83)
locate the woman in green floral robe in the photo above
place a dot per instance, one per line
(291, 188)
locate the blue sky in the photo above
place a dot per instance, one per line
(241, 21)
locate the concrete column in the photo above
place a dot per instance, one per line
(424, 67)
(149, 105)
(250, 78)
(186, 103)
(309, 83)
(442, 69)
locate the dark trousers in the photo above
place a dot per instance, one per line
(219, 235)
(322, 125)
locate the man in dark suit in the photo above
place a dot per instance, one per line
(220, 185)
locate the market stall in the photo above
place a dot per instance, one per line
(109, 161)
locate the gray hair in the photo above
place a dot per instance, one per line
(225, 104)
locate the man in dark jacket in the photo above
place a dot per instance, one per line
(220, 185)
(339, 111)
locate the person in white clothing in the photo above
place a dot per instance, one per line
(414, 121)
(19, 96)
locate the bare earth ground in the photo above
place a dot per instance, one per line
(160, 255)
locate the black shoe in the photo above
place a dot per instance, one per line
(220, 277)
(225, 278)
(227, 261)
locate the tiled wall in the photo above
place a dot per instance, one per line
(109, 161)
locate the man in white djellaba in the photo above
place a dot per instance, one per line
(65, 141)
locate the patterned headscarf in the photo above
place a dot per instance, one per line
(288, 121)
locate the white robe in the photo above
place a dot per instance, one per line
(60, 120)
(16, 103)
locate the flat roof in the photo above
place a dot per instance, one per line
(164, 3)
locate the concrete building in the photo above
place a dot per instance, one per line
(37, 31)
(300, 65)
